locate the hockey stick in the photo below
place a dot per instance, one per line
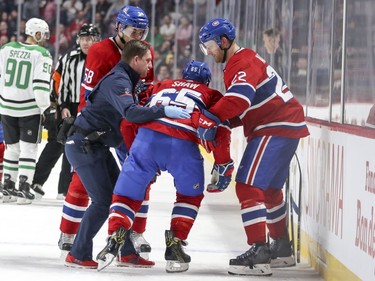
(298, 211)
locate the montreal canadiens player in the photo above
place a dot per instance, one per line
(169, 144)
(273, 122)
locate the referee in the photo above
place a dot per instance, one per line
(65, 95)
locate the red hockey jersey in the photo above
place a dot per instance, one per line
(194, 97)
(259, 97)
(101, 58)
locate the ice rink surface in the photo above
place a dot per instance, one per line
(29, 236)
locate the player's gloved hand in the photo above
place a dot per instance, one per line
(207, 128)
(176, 112)
(221, 177)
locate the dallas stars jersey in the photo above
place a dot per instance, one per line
(25, 79)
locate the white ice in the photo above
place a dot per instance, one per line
(29, 235)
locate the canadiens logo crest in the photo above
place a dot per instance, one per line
(215, 23)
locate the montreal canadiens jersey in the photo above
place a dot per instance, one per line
(101, 58)
(192, 96)
(259, 97)
(25, 76)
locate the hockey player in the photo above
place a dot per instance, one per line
(25, 70)
(159, 145)
(2, 148)
(273, 122)
(131, 23)
(97, 129)
(66, 85)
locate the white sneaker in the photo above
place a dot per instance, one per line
(60, 196)
(141, 246)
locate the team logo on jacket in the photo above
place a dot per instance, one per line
(126, 92)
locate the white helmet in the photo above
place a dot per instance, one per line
(35, 25)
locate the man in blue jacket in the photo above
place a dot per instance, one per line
(96, 130)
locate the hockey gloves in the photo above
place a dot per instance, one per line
(221, 177)
(176, 112)
(207, 128)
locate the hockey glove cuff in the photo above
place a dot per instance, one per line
(221, 177)
(207, 128)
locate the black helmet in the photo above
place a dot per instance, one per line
(89, 30)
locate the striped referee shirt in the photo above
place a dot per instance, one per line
(71, 68)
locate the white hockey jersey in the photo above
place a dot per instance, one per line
(25, 79)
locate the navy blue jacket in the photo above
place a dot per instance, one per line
(110, 101)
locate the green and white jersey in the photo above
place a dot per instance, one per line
(25, 79)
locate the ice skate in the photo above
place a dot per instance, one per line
(71, 261)
(65, 244)
(25, 197)
(133, 260)
(177, 260)
(254, 262)
(110, 251)
(129, 257)
(282, 254)
(38, 191)
(141, 246)
(9, 190)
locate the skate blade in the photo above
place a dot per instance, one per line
(257, 270)
(23, 201)
(283, 262)
(9, 199)
(103, 262)
(63, 255)
(38, 196)
(144, 255)
(176, 266)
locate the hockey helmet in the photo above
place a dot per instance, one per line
(135, 17)
(214, 30)
(197, 71)
(89, 30)
(35, 25)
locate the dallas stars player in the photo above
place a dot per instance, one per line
(25, 70)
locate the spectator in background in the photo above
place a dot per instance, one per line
(3, 40)
(102, 7)
(77, 23)
(63, 40)
(184, 32)
(272, 51)
(167, 28)
(31, 9)
(49, 12)
(4, 31)
(71, 8)
(162, 73)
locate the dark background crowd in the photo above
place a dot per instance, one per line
(169, 27)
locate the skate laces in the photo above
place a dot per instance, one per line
(120, 235)
(251, 252)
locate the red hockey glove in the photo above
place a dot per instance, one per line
(221, 177)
